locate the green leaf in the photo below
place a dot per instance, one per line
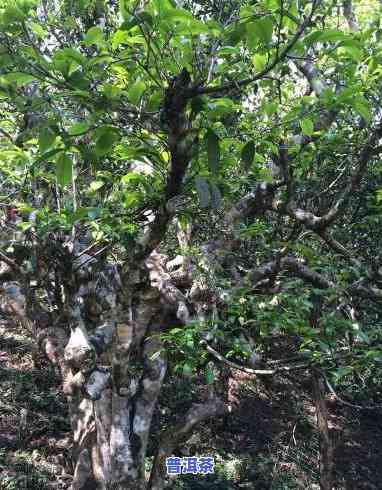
(332, 35)
(259, 32)
(264, 28)
(326, 35)
(124, 9)
(227, 50)
(361, 105)
(191, 27)
(351, 49)
(363, 336)
(94, 36)
(174, 14)
(13, 14)
(124, 37)
(203, 191)
(46, 156)
(81, 213)
(252, 36)
(18, 78)
(24, 226)
(220, 107)
(307, 126)
(213, 150)
(246, 12)
(46, 139)
(154, 101)
(236, 33)
(270, 108)
(259, 61)
(135, 92)
(93, 213)
(64, 168)
(379, 196)
(68, 60)
(78, 128)
(106, 137)
(342, 372)
(118, 38)
(38, 30)
(254, 229)
(248, 154)
(70, 54)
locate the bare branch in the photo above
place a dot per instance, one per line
(254, 203)
(319, 223)
(367, 152)
(316, 279)
(294, 266)
(344, 402)
(311, 74)
(247, 370)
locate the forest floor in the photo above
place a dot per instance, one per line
(268, 441)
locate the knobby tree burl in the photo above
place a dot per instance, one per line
(194, 167)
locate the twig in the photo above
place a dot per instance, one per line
(233, 365)
(344, 402)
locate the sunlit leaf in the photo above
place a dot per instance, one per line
(259, 61)
(19, 78)
(259, 31)
(307, 126)
(96, 184)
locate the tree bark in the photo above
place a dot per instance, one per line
(326, 443)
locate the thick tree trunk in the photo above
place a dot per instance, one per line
(112, 406)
